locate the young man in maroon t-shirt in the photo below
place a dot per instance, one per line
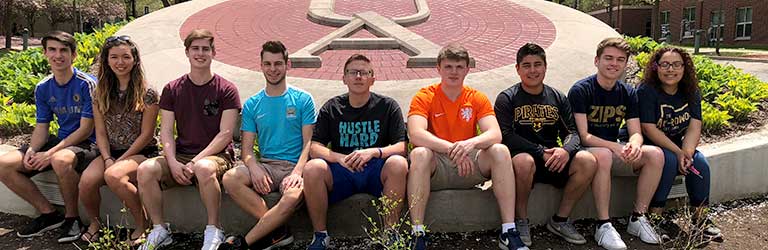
(203, 108)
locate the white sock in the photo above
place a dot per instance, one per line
(506, 226)
(419, 229)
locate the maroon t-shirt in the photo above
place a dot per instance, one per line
(198, 110)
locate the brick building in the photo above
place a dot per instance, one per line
(628, 20)
(741, 22)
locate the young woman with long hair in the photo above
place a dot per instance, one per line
(125, 116)
(670, 116)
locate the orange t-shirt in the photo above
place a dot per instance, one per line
(451, 120)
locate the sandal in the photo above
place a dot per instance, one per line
(90, 237)
(137, 241)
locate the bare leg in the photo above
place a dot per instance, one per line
(601, 185)
(650, 173)
(90, 196)
(582, 170)
(318, 181)
(149, 175)
(119, 177)
(525, 168)
(210, 189)
(496, 163)
(63, 163)
(393, 178)
(423, 164)
(11, 170)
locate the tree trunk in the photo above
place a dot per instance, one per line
(166, 3)
(7, 16)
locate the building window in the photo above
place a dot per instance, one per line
(743, 23)
(665, 33)
(716, 26)
(687, 24)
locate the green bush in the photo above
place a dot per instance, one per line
(738, 107)
(640, 44)
(714, 119)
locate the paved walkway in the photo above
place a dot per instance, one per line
(491, 29)
(759, 69)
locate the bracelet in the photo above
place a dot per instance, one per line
(109, 158)
(381, 153)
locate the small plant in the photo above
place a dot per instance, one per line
(396, 236)
(714, 119)
(109, 237)
(684, 233)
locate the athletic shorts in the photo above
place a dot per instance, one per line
(347, 183)
(85, 152)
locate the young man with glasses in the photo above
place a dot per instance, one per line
(443, 124)
(608, 120)
(282, 117)
(66, 94)
(202, 108)
(358, 146)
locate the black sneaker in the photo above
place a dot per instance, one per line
(510, 240)
(278, 238)
(234, 242)
(71, 230)
(419, 241)
(41, 224)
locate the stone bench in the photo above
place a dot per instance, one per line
(737, 169)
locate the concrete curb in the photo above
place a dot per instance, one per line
(740, 59)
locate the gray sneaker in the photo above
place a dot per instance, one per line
(524, 228)
(567, 231)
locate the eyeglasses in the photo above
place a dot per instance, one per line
(358, 73)
(667, 65)
(123, 38)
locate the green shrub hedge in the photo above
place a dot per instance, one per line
(21, 71)
(728, 94)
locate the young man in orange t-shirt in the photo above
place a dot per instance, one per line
(449, 153)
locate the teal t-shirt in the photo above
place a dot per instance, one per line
(277, 122)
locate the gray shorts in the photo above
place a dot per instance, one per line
(446, 174)
(618, 166)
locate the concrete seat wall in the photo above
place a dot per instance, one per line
(738, 170)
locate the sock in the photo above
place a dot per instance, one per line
(559, 219)
(507, 226)
(601, 222)
(323, 232)
(418, 230)
(635, 215)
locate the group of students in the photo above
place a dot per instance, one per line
(356, 143)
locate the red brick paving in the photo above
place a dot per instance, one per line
(492, 30)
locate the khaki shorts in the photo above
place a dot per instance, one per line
(223, 161)
(277, 171)
(618, 166)
(446, 174)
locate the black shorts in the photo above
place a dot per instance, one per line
(543, 175)
(85, 152)
(149, 151)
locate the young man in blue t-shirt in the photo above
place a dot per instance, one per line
(66, 94)
(602, 104)
(282, 117)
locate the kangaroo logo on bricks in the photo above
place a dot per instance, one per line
(401, 37)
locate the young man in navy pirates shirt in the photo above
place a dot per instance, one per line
(601, 104)
(533, 117)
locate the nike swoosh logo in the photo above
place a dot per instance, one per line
(439, 114)
(260, 116)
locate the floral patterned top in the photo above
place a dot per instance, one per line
(124, 127)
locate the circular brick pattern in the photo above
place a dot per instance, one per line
(491, 30)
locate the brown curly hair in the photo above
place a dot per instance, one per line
(689, 84)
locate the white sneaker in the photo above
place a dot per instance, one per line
(607, 237)
(213, 237)
(157, 238)
(643, 230)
